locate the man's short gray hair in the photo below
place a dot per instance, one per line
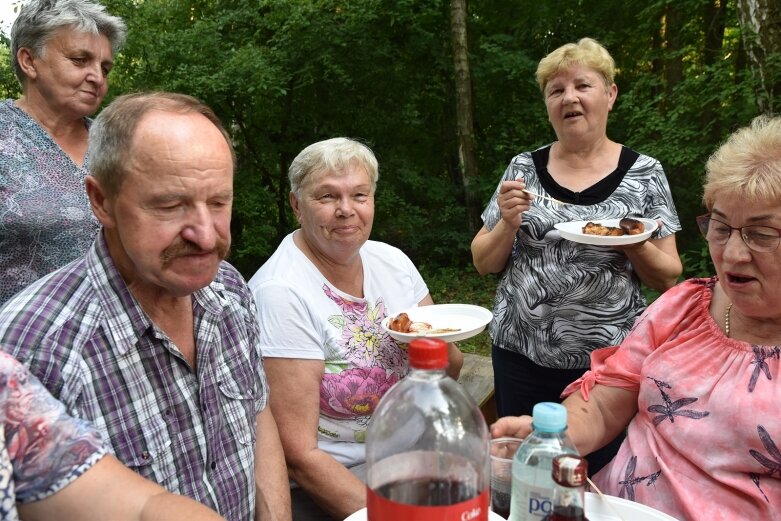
(111, 135)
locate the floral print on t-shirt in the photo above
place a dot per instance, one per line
(362, 367)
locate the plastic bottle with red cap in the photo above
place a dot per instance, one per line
(569, 474)
(427, 446)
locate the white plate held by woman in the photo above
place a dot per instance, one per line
(461, 321)
(573, 231)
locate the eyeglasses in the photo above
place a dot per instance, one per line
(761, 239)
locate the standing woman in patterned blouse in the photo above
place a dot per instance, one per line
(62, 52)
(559, 300)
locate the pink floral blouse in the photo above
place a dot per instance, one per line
(42, 449)
(704, 442)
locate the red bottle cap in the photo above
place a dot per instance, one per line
(428, 353)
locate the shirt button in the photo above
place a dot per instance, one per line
(214, 465)
(146, 454)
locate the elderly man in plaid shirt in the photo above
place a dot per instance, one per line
(151, 335)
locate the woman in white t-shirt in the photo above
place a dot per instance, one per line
(321, 298)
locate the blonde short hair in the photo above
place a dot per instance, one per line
(587, 52)
(747, 166)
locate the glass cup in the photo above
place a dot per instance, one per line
(502, 452)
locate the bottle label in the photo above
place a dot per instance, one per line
(530, 503)
(382, 509)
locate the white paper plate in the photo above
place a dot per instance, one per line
(597, 510)
(361, 516)
(573, 231)
(468, 319)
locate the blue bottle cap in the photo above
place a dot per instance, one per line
(549, 417)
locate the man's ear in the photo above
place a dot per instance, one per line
(26, 62)
(100, 203)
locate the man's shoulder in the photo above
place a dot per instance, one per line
(230, 278)
(231, 284)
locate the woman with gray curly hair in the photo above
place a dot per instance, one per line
(62, 52)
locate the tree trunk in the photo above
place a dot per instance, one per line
(760, 22)
(674, 22)
(466, 137)
(713, 26)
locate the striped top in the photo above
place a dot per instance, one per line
(558, 300)
(81, 332)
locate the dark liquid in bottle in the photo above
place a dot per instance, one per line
(500, 503)
(427, 491)
(566, 514)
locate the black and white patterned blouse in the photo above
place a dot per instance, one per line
(559, 300)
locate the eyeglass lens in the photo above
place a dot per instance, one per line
(758, 238)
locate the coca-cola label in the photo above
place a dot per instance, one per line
(382, 509)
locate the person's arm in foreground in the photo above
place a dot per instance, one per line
(590, 424)
(272, 488)
(656, 262)
(109, 490)
(295, 403)
(491, 248)
(454, 354)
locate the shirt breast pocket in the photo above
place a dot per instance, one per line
(149, 453)
(238, 405)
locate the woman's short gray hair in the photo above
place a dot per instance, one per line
(38, 20)
(332, 154)
(747, 166)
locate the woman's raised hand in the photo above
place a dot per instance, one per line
(513, 201)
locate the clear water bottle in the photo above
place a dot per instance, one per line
(427, 446)
(532, 486)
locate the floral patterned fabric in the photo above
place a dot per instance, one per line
(45, 216)
(704, 443)
(302, 316)
(42, 449)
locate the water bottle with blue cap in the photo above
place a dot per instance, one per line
(532, 486)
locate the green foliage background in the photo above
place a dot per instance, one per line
(284, 73)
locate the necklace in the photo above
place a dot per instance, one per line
(726, 320)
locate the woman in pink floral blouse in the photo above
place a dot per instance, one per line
(695, 383)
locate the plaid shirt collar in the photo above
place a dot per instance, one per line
(126, 320)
